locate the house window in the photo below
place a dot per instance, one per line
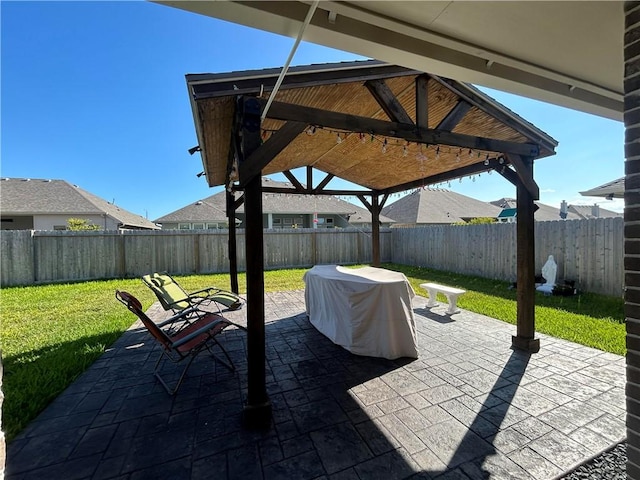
(59, 227)
(288, 222)
(276, 223)
(184, 226)
(198, 226)
(212, 226)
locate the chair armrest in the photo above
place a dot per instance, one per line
(209, 291)
(178, 316)
(195, 333)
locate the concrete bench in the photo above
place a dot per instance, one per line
(451, 293)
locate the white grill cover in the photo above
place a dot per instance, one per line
(365, 310)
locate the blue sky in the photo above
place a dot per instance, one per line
(94, 93)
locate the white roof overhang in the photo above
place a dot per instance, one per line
(563, 52)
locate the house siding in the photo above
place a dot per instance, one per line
(49, 222)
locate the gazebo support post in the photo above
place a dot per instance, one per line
(525, 329)
(233, 251)
(375, 230)
(257, 411)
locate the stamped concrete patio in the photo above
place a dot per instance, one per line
(469, 407)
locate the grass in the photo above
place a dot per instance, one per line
(50, 334)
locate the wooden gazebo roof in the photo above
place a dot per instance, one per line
(397, 129)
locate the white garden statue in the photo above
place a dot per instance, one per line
(549, 271)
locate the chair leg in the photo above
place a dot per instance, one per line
(156, 372)
(229, 363)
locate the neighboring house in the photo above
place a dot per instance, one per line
(280, 210)
(592, 211)
(431, 206)
(610, 190)
(38, 204)
(546, 213)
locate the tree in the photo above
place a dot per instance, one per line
(80, 224)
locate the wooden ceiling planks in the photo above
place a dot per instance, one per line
(351, 157)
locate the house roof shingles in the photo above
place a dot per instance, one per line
(434, 205)
(22, 196)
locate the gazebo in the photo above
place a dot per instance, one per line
(383, 127)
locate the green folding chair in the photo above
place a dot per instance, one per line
(173, 297)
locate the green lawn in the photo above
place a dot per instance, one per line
(50, 334)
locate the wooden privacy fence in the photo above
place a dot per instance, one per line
(31, 257)
(591, 252)
(587, 251)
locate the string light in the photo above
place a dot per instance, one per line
(390, 143)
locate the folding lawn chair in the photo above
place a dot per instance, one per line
(185, 342)
(173, 297)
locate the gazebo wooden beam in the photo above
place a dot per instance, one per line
(454, 116)
(469, 94)
(291, 191)
(232, 244)
(309, 177)
(388, 101)
(375, 231)
(525, 176)
(202, 87)
(408, 132)
(509, 174)
(294, 181)
(257, 411)
(422, 103)
(474, 169)
(261, 156)
(525, 252)
(323, 183)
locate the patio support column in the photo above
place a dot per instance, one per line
(257, 411)
(375, 230)
(232, 245)
(525, 329)
(632, 231)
